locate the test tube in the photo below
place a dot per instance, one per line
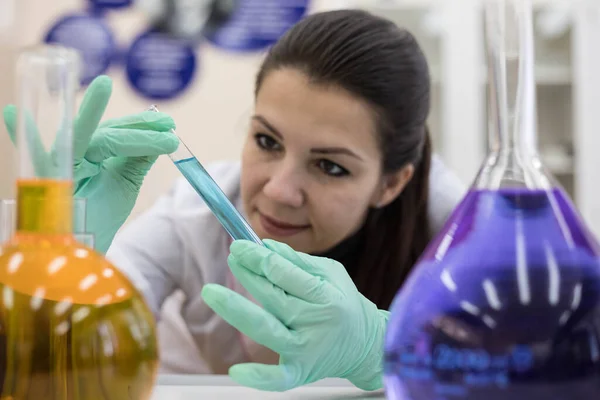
(211, 193)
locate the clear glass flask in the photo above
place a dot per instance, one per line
(8, 225)
(72, 327)
(8, 219)
(505, 301)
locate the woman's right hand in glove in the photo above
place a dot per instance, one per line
(110, 158)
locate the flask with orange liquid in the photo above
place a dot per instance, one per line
(72, 327)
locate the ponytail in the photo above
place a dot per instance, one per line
(395, 236)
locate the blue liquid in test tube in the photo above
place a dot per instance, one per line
(211, 193)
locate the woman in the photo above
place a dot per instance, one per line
(337, 164)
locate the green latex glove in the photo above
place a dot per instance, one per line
(313, 317)
(110, 158)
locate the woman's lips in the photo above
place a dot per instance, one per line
(278, 228)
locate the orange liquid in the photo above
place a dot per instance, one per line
(45, 206)
(72, 327)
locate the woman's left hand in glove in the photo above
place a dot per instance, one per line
(313, 317)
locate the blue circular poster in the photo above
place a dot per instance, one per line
(101, 4)
(257, 24)
(91, 37)
(160, 66)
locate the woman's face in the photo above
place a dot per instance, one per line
(311, 165)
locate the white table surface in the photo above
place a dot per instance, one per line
(194, 387)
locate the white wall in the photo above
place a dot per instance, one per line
(7, 59)
(211, 117)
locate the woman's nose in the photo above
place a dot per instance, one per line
(284, 187)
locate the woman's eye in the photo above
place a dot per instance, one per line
(331, 168)
(267, 142)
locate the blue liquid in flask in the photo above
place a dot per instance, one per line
(512, 309)
(504, 304)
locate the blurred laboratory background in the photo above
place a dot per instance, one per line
(208, 86)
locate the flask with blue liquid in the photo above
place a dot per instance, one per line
(505, 301)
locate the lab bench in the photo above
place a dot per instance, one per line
(219, 387)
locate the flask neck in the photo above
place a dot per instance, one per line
(515, 132)
(513, 157)
(48, 78)
(44, 206)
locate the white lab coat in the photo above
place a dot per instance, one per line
(172, 250)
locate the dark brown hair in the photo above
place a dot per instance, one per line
(383, 64)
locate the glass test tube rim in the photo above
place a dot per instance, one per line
(38, 53)
(182, 148)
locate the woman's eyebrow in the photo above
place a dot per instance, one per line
(336, 150)
(267, 125)
(325, 150)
